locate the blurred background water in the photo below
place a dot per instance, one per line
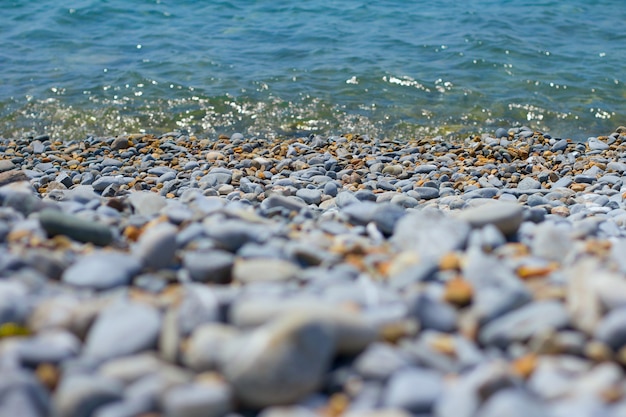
(400, 69)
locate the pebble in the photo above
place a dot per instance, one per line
(415, 390)
(58, 223)
(82, 395)
(506, 217)
(471, 275)
(198, 400)
(281, 362)
(102, 270)
(156, 246)
(122, 329)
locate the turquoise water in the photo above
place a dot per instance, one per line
(387, 68)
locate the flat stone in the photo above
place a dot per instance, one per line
(202, 399)
(209, 266)
(281, 362)
(123, 328)
(513, 403)
(147, 203)
(506, 217)
(82, 395)
(521, 324)
(352, 332)
(13, 175)
(264, 270)
(102, 270)
(310, 196)
(414, 390)
(207, 346)
(6, 165)
(157, 246)
(430, 234)
(21, 394)
(612, 329)
(529, 183)
(58, 223)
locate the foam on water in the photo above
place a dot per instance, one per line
(280, 68)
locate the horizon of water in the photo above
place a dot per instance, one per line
(72, 68)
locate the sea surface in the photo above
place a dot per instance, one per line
(396, 69)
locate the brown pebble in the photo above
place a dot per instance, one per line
(458, 292)
(450, 261)
(524, 366)
(578, 187)
(560, 211)
(598, 351)
(48, 375)
(13, 175)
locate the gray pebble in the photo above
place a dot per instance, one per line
(507, 217)
(209, 266)
(102, 270)
(157, 246)
(282, 362)
(82, 395)
(58, 223)
(414, 390)
(198, 400)
(521, 324)
(122, 329)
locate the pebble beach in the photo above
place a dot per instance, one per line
(479, 276)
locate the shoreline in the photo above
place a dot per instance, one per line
(233, 276)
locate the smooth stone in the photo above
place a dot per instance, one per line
(128, 369)
(156, 246)
(596, 144)
(217, 177)
(231, 235)
(146, 203)
(199, 305)
(582, 300)
(563, 182)
(507, 217)
(58, 223)
(512, 403)
(430, 234)
(425, 168)
(264, 270)
(426, 193)
(560, 145)
(529, 183)
(132, 407)
(213, 266)
(102, 270)
(414, 389)
(612, 329)
(281, 363)
(519, 325)
(106, 181)
(201, 399)
(82, 395)
(352, 332)
(380, 361)
(502, 133)
(207, 346)
(288, 203)
(551, 241)
(52, 346)
(434, 314)
(615, 166)
(6, 165)
(121, 329)
(310, 196)
(21, 394)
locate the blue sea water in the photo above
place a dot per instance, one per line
(393, 68)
